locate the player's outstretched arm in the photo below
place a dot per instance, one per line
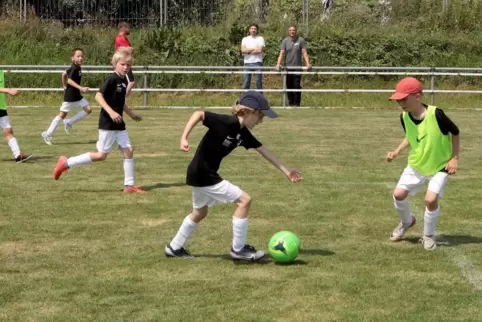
(10, 91)
(392, 155)
(291, 174)
(196, 117)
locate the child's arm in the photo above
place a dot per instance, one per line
(134, 116)
(80, 88)
(292, 174)
(454, 161)
(394, 154)
(99, 97)
(65, 79)
(196, 117)
(11, 91)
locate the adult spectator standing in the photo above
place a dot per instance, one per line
(122, 41)
(293, 47)
(252, 47)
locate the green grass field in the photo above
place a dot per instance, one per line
(81, 250)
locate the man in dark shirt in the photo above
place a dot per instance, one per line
(225, 133)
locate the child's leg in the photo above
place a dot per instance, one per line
(56, 121)
(240, 221)
(11, 140)
(104, 147)
(409, 183)
(86, 110)
(122, 138)
(432, 210)
(187, 228)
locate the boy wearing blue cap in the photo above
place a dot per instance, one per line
(226, 132)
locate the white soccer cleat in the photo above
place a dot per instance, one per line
(429, 242)
(47, 138)
(399, 232)
(67, 126)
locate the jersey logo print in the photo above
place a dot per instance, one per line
(420, 140)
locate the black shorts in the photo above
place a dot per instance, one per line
(130, 76)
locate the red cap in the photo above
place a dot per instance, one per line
(405, 87)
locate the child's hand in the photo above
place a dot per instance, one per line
(392, 156)
(13, 91)
(184, 145)
(84, 89)
(137, 117)
(293, 175)
(452, 166)
(116, 117)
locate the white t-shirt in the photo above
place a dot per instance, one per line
(253, 42)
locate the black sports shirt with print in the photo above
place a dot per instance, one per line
(114, 91)
(224, 135)
(72, 94)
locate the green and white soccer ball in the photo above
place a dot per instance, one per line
(284, 247)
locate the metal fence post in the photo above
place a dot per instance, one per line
(432, 86)
(146, 93)
(284, 89)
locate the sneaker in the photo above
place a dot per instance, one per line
(47, 138)
(182, 252)
(22, 158)
(133, 189)
(61, 167)
(429, 242)
(248, 253)
(67, 126)
(398, 233)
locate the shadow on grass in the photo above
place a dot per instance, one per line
(449, 240)
(161, 185)
(321, 252)
(34, 159)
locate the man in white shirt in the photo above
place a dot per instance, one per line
(252, 47)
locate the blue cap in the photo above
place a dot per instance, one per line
(257, 101)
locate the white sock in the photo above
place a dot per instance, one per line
(240, 233)
(185, 231)
(403, 209)
(13, 144)
(77, 117)
(79, 160)
(55, 122)
(128, 172)
(430, 221)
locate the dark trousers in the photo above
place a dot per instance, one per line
(293, 82)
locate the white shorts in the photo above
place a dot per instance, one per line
(223, 192)
(108, 138)
(412, 180)
(67, 106)
(4, 122)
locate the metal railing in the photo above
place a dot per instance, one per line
(145, 71)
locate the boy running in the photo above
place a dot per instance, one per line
(72, 97)
(225, 133)
(5, 122)
(434, 152)
(111, 97)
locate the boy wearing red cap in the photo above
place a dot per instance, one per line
(434, 152)
(226, 132)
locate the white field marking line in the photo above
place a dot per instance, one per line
(467, 268)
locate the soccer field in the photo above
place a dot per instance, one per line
(79, 249)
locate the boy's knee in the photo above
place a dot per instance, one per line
(400, 194)
(245, 200)
(431, 201)
(128, 152)
(88, 109)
